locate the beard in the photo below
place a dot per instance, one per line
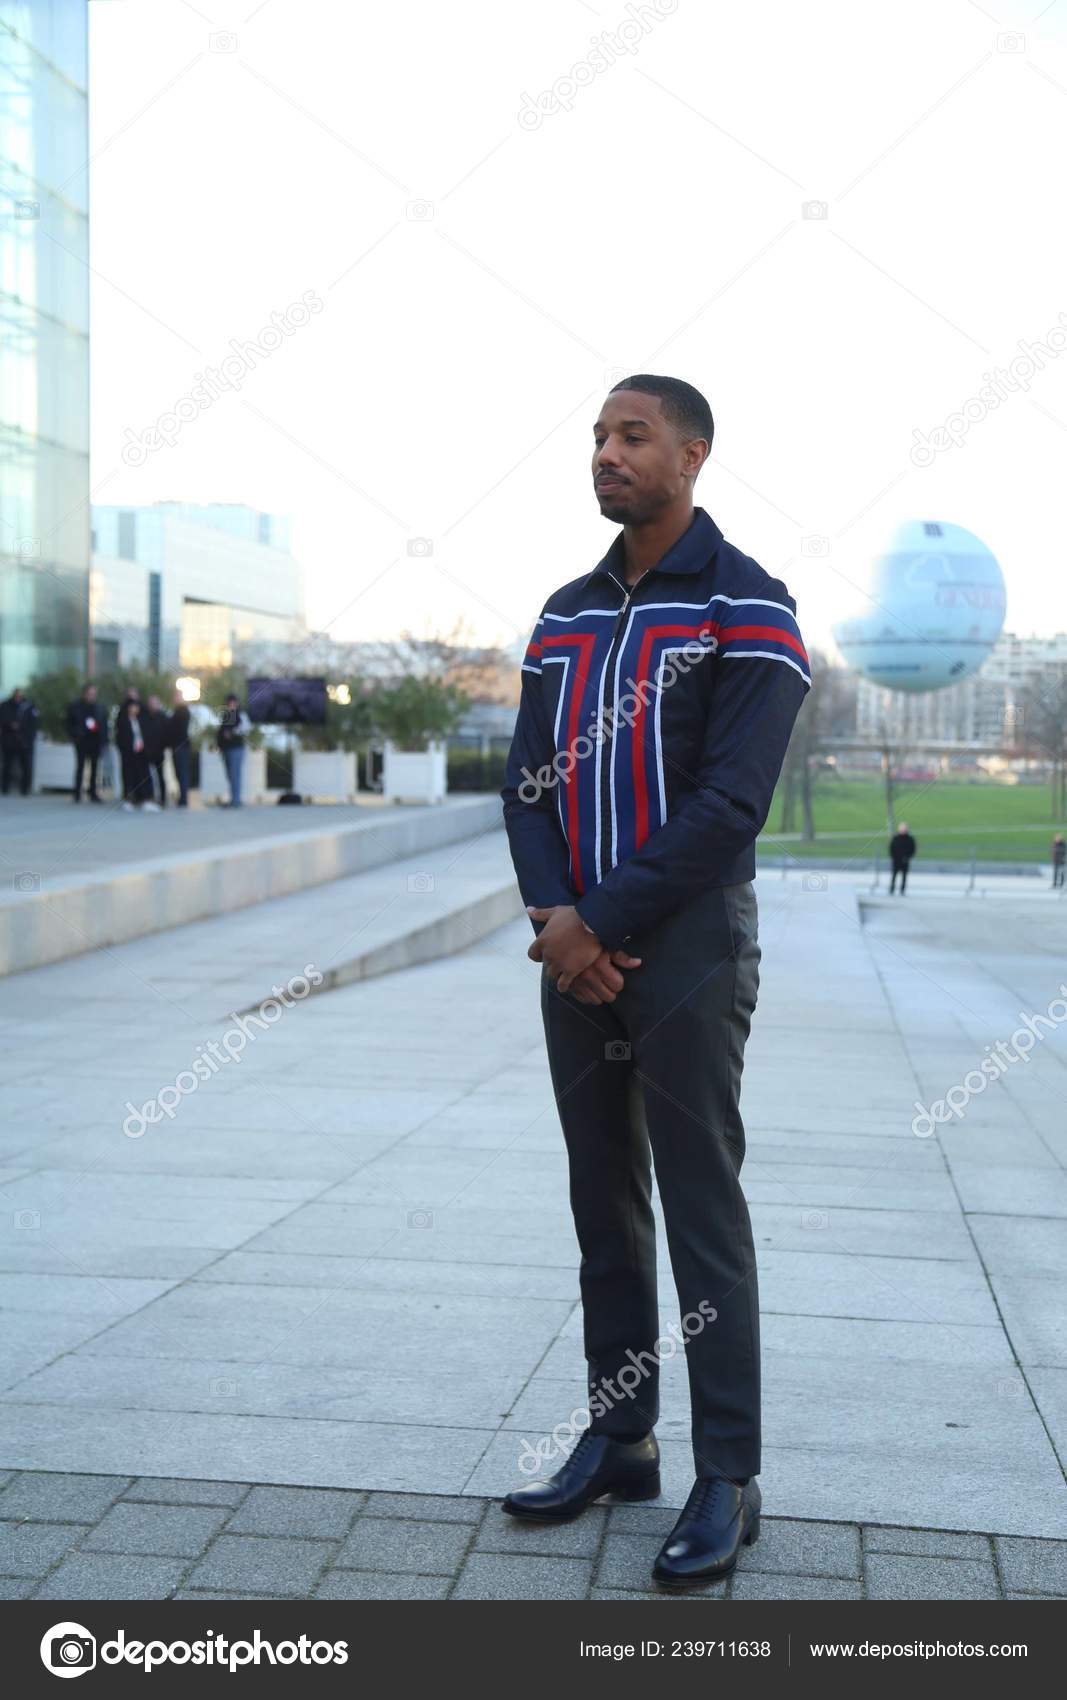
(619, 506)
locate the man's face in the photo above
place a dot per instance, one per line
(90, 693)
(640, 463)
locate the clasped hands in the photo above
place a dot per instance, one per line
(575, 958)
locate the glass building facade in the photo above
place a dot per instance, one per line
(44, 339)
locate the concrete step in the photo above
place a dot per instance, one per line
(411, 910)
(48, 918)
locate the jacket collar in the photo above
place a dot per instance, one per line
(690, 554)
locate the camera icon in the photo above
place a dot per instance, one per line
(615, 374)
(420, 1219)
(223, 41)
(420, 546)
(28, 547)
(420, 882)
(616, 1050)
(815, 882)
(1008, 1388)
(68, 1649)
(223, 1387)
(815, 209)
(1011, 42)
(27, 1219)
(814, 1220)
(27, 209)
(419, 212)
(814, 545)
(26, 881)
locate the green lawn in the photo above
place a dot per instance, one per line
(949, 819)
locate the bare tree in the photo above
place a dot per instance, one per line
(1042, 717)
(828, 712)
(893, 752)
(482, 672)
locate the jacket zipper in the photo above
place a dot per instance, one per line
(608, 744)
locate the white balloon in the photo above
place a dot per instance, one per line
(933, 609)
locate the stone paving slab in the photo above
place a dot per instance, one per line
(269, 1542)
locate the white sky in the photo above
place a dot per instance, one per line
(448, 388)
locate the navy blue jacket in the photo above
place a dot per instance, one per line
(651, 731)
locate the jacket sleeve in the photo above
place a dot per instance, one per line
(538, 848)
(762, 677)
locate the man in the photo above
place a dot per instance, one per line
(1059, 859)
(234, 727)
(18, 730)
(87, 730)
(633, 845)
(178, 739)
(902, 848)
(155, 726)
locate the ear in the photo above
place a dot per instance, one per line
(697, 451)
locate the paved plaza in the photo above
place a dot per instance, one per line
(345, 1264)
(56, 839)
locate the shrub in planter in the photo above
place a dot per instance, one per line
(415, 713)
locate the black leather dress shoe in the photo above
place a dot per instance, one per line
(598, 1465)
(707, 1537)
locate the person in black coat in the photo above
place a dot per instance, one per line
(180, 747)
(136, 773)
(901, 850)
(18, 729)
(1059, 859)
(155, 725)
(87, 730)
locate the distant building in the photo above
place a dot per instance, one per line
(44, 328)
(175, 585)
(983, 709)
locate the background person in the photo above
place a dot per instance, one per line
(18, 730)
(1059, 858)
(87, 729)
(234, 727)
(180, 749)
(136, 773)
(155, 728)
(901, 850)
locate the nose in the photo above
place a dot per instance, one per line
(607, 457)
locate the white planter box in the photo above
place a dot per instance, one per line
(53, 765)
(325, 773)
(213, 781)
(414, 776)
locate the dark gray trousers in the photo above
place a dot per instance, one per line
(658, 1073)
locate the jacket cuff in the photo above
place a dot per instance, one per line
(604, 917)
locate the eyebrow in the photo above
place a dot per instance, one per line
(626, 424)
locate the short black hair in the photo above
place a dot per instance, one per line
(685, 407)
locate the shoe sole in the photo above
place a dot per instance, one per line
(649, 1489)
(679, 1585)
